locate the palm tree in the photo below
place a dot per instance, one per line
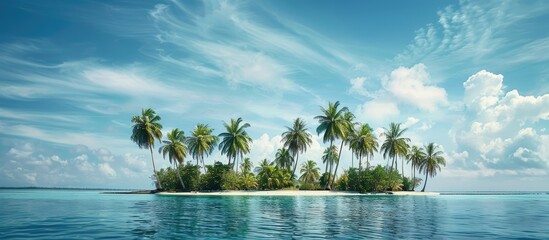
(394, 145)
(364, 144)
(332, 124)
(347, 121)
(176, 150)
(146, 128)
(296, 139)
(329, 157)
(263, 164)
(432, 162)
(236, 141)
(272, 177)
(246, 166)
(202, 142)
(415, 157)
(284, 159)
(310, 173)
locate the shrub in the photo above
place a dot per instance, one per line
(248, 182)
(308, 186)
(230, 181)
(213, 179)
(325, 178)
(191, 177)
(168, 178)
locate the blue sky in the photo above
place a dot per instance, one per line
(470, 76)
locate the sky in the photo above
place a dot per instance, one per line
(470, 76)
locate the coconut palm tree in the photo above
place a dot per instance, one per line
(296, 139)
(414, 158)
(364, 144)
(347, 121)
(176, 150)
(310, 173)
(332, 124)
(202, 142)
(329, 157)
(263, 164)
(395, 144)
(246, 166)
(236, 141)
(146, 128)
(283, 159)
(432, 162)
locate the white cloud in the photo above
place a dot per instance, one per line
(357, 86)
(82, 164)
(376, 110)
(483, 90)
(425, 126)
(412, 86)
(265, 147)
(135, 163)
(498, 131)
(107, 170)
(410, 121)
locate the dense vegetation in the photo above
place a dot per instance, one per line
(337, 127)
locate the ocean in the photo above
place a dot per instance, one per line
(86, 214)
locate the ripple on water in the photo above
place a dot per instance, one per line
(88, 215)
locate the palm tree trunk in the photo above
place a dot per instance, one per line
(158, 184)
(327, 161)
(179, 175)
(352, 160)
(425, 184)
(203, 165)
(414, 178)
(236, 166)
(337, 164)
(295, 165)
(402, 166)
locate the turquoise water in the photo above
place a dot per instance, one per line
(54, 214)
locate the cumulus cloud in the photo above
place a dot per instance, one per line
(377, 110)
(483, 90)
(413, 86)
(410, 121)
(106, 169)
(357, 86)
(498, 134)
(265, 147)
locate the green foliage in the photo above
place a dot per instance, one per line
(406, 184)
(296, 139)
(310, 173)
(248, 182)
(342, 182)
(213, 179)
(189, 175)
(201, 142)
(235, 141)
(309, 186)
(230, 181)
(169, 180)
(272, 178)
(325, 179)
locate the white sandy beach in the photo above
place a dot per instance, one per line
(292, 193)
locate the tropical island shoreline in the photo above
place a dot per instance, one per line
(318, 193)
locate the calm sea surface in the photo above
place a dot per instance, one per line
(71, 214)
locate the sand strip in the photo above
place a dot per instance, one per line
(290, 193)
